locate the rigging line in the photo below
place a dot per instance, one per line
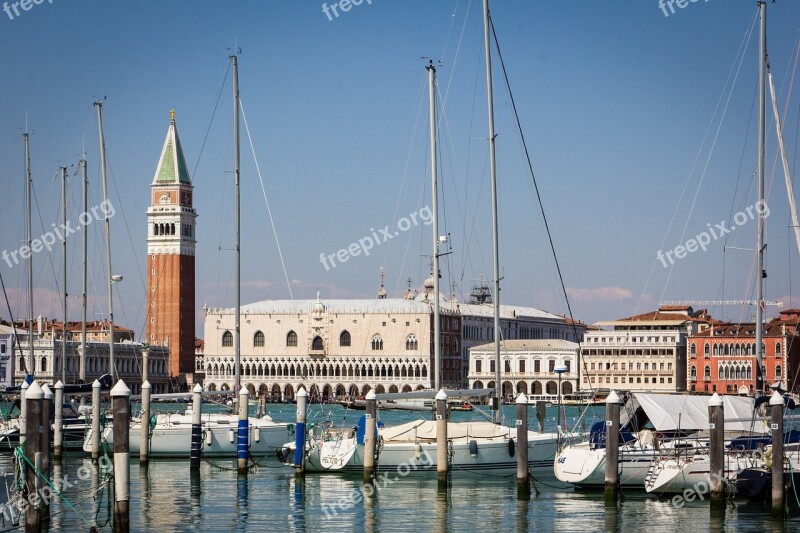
(468, 214)
(458, 47)
(420, 106)
(704, 172)
(465, 255)
(742, 46)
(421, 101)
(266, 201)
(133, 248)
(532, 174)
(211, 120)
(49, 255)
(536, 187)
(736, 187)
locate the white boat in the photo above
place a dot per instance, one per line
(691, 471)
(651, 425)
(473, 447)
(171, 435)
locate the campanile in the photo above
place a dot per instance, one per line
(170, 257)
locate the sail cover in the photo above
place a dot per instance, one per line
(673, 412)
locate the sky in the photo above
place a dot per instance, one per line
(639, 122)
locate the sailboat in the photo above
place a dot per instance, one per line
(472, 446)
(170, 433)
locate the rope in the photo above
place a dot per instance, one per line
(19, 453)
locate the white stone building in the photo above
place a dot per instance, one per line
(128, 356)
(334, 348)
(641, 353)
(527, 366)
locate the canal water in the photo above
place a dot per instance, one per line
(166, 497)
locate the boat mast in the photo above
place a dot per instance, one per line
(111, 368)
(64, 253)
(437, 324)
(495, 244)
(236, 337)
(28, 230)
(760, 246)
(82, 369)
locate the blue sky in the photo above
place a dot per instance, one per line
(615, 99)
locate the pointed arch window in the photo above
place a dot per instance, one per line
(291, 339)
(258, 339)
(777, 349)
(344, 338)
(705, 350)
(411, 342)
(317, 344)
(227, 339)
(377, 342)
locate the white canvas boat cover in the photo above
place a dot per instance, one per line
(425, 430)
(670, 412)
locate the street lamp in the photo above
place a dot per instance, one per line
(560, 369)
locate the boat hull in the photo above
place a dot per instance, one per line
(172, 437)
(408, 457)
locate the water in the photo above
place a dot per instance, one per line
(166, 497)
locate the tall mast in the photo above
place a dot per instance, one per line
(29, 236)
(64, 254)
(762, 61)
(437, 324)
(82, 369)
(495, 243)
(236, 223)
(111, 368)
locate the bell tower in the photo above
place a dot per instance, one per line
(170, 257)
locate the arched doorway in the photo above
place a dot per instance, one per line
(522, 387)
(552, 388)
(393, 388)
(566, 387)
(288, 393)
(276, 393)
